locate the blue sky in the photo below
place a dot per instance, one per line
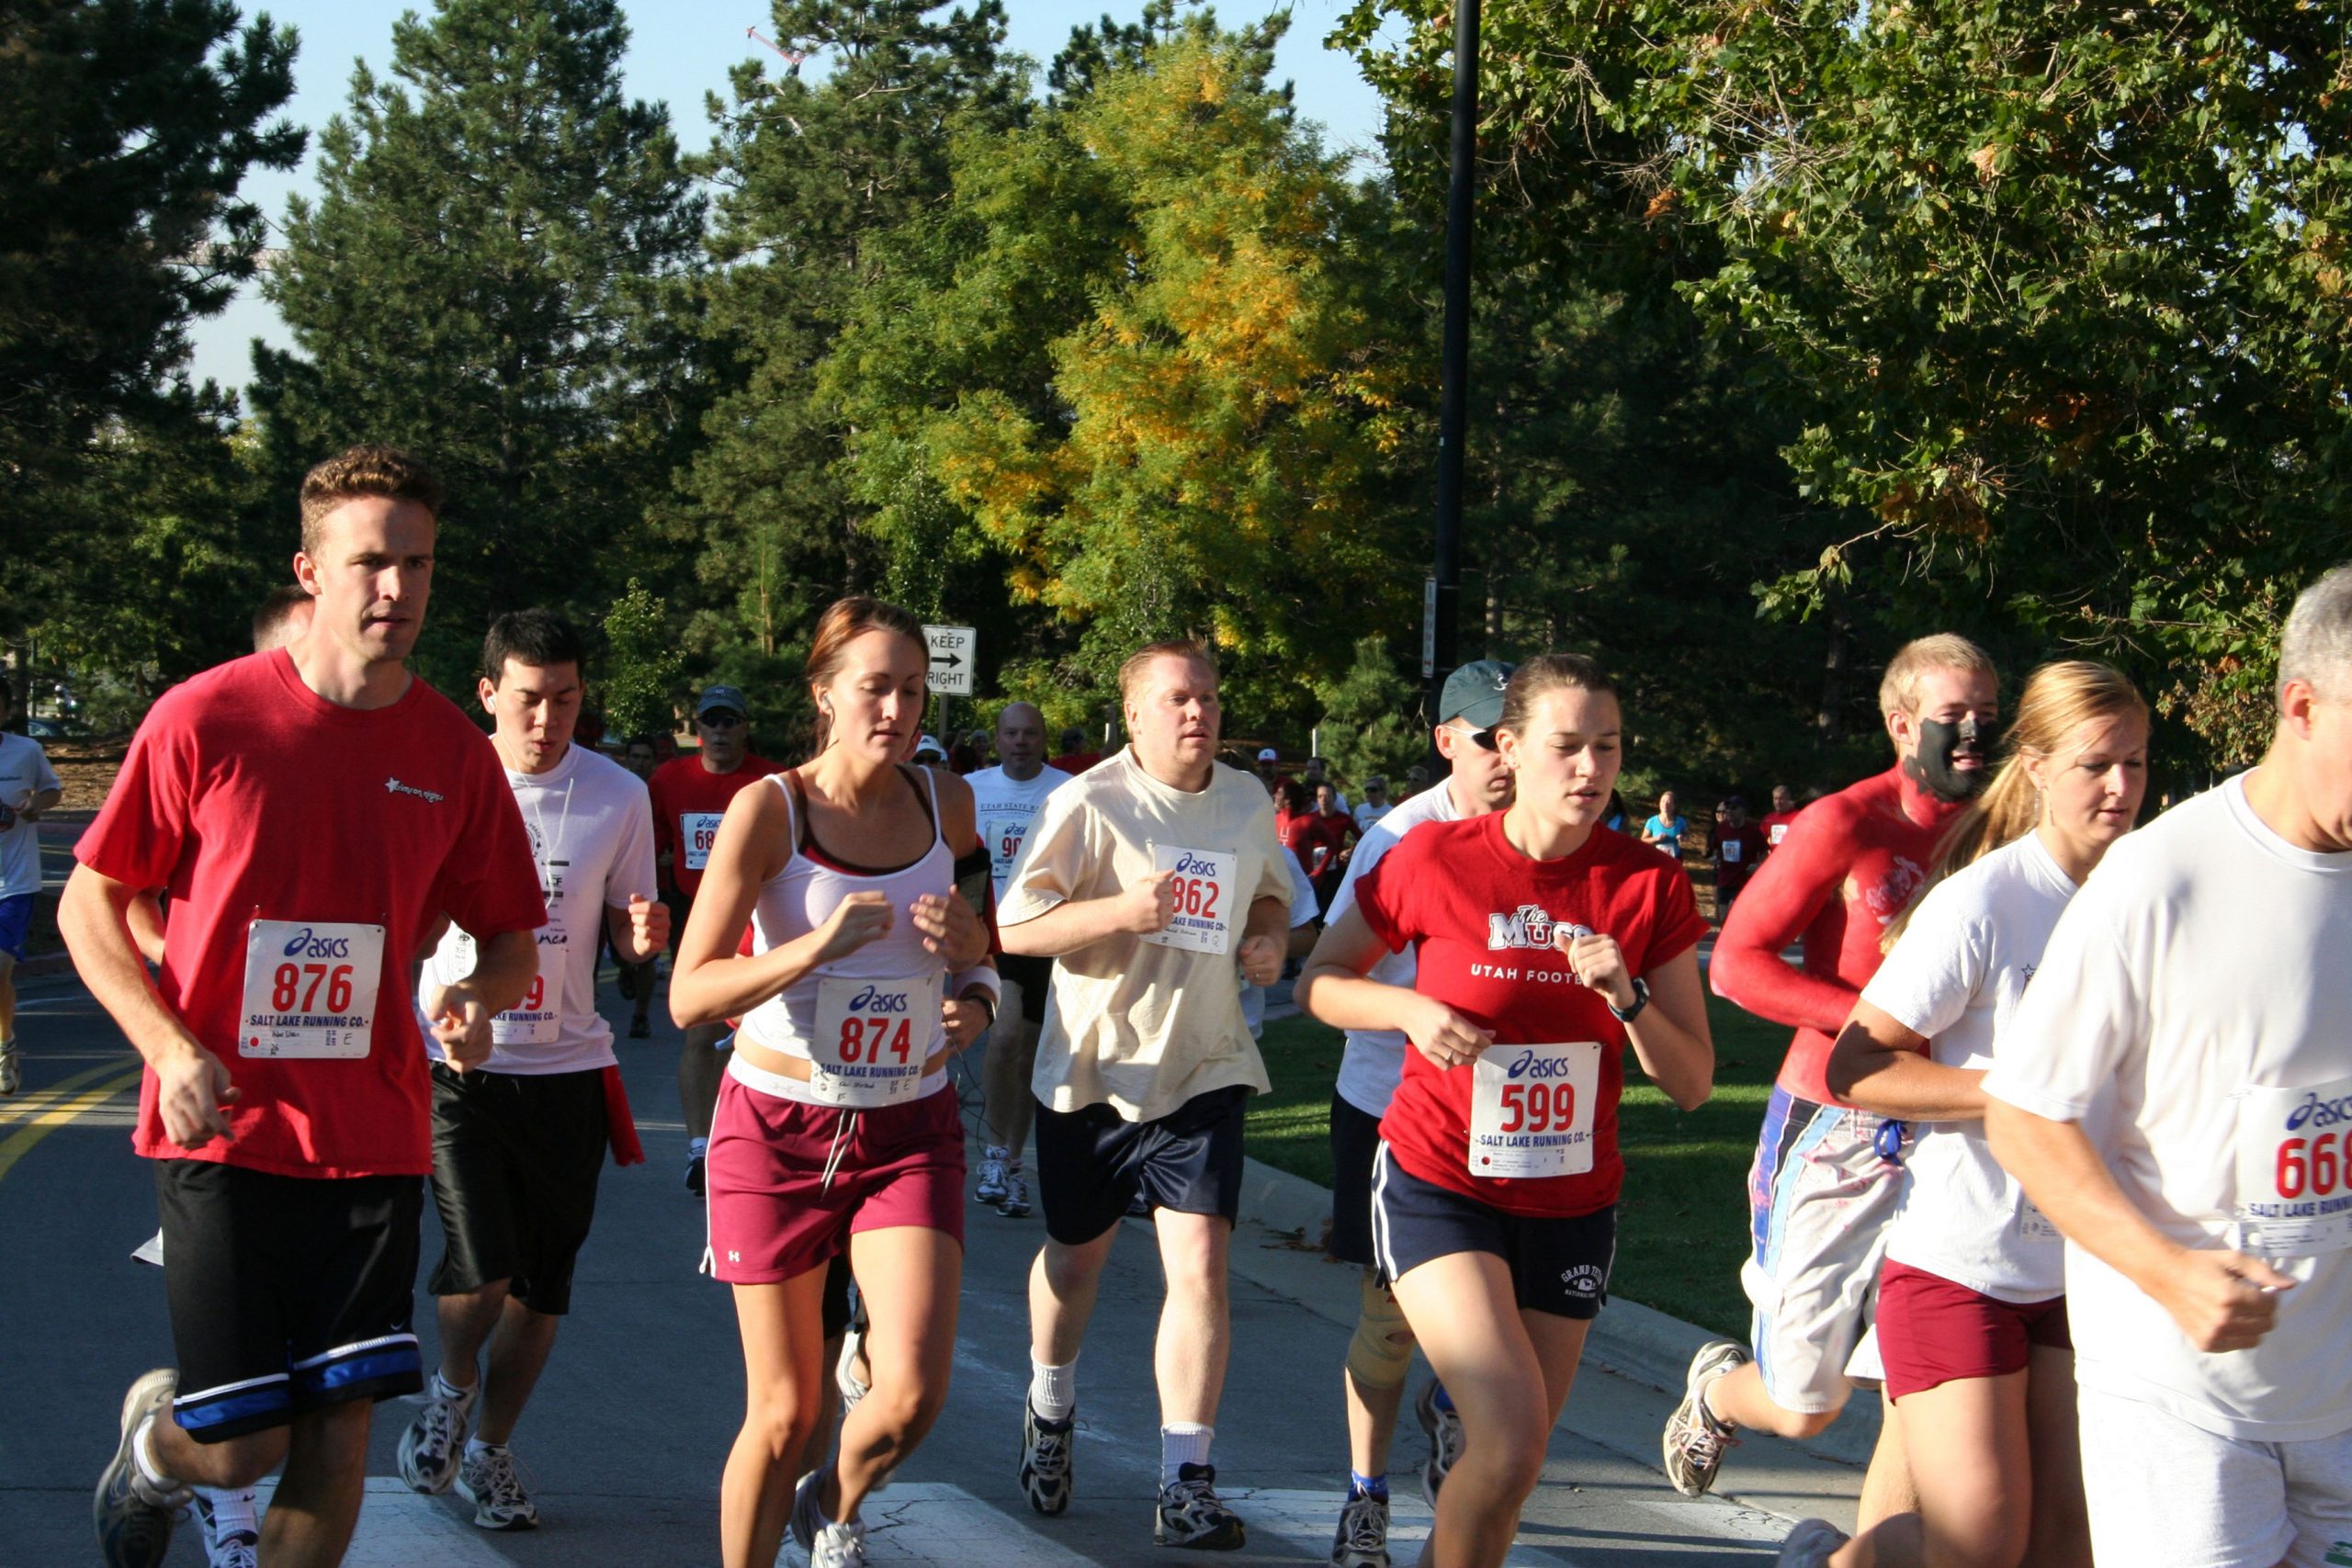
(680, 50)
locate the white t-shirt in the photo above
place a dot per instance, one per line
(1144, 1025)
(1004, 807)
(2206, 957)
(1374, 1058)
(591, 826)
(1957, 977)
(24, 773)
(1304, 910)
(1367, 815)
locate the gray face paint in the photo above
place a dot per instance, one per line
(1939, 743)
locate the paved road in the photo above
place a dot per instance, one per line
(625, 1441)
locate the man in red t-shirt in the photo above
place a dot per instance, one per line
(1777, 821)
(690, 796)
(1826, 1181)
(1736, 847)
(309, 810)
(1075, 758)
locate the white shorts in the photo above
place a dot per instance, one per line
(1820, 1199)
(2164, 1493)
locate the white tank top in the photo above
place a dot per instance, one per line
(802, 896)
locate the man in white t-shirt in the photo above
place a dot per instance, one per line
(29, 787)
(1005, 799)
(1375, 804)
(1381, 1354)
(1150, 879)
(2176, 1105)
(519, 1143)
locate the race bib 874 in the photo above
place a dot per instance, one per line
(309, 988)
(872, 1040)
(2294, 1188)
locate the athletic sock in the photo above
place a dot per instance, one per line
(444, 1389)
(697, 1147)
(1053, 1390)
(995, 1152)
(476, 1446)
(233, 1510)
(1182, 1443)
(1362, 1485)
(142, 1456)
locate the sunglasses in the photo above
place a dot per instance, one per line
(721, 720)
(1482, 739)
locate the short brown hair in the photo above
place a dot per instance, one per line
(1141, 659)
(365, 470)
(1945, 650)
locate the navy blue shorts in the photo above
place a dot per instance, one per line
(1092, 1162)
(1355, 1141)
(1557, 1264)
(16, 924)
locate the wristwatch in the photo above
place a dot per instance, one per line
(1641, 1000)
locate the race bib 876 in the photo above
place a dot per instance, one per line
(309, 988)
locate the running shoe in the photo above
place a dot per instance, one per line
(1016, 1196)
(1190, 1514)
(489, 1480)
(1695, 1440)
(1810, 1544)
(236, 1547)
(12, 1068)
(638, 1028)
(1443, 1429)
(133, 1516)
(625, 974)
(1045, 1458)
(991, 1187)
(827, 1545)
(854, 1387)
(433, 1448)
(1362, 1537)
(695, 1174)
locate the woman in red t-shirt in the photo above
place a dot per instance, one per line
(1545, 945)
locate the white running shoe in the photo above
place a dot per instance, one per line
(1189, 1513)
(854, 1388)
(1810, 1544)
(1695, 1440)
(433, 1445)
(991, 1187)
(1016, 1196)
(12, 1068)
(1361, 1540)
(239, 1544)
(487, 1479)
(1045, 1458)
(133, 1514)
(1443, 1429)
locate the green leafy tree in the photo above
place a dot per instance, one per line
(642, 665)
(491, 275)
(1372, 718)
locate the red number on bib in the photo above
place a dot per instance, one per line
(853, 1041)
(285, 986)
(535, 994)
(1514, 1104)
(904, 1042)
(2292, 1171)
(1208, 906)
(2325, 1166)
(339, 989)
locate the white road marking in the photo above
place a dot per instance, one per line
(930, 1522)
(401, 1528)
(1308, 1518)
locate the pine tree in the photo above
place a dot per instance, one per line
(492, 274)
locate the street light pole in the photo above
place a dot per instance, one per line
(1444, 604)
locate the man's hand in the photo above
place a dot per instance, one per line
(967, 1020)
(191, 1086)
(649, 925)
(1444, 1036)
(1598, 964)
(1149, 905)
(1261, 959)
(950, 929)
(462, 1027)
(2222, 1301)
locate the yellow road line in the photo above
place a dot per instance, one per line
(25, 1106)
(20, 1143)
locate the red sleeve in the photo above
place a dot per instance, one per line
(1384, 893)
(666, 822)
(141, 831)
(1775, 906)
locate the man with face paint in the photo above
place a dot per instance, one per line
(1827, 1179)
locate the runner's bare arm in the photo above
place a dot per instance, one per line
(1333, 989)
(41, 800)
(1779, 902)
(145, 916)
(190, 1083)
(2221, 1299)
(1147, 905)
(1880, 1065)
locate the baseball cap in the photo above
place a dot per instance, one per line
(1267, 754)
(929, 743)
(715, 698)
(1474, 694)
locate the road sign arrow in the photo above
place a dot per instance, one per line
(950, 660)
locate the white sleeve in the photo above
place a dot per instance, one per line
(1369, 851)
(1055, 864)
(1928, 981)
(44, 776)
(2084, 1017)
(632, 874)
(1304, 910)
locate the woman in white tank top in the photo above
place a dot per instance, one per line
(835, 1130)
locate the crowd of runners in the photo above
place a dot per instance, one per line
(357, 947)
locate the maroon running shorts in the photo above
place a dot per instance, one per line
(1931, 1331)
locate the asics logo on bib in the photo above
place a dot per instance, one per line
(1583, 1280)
(394, 786)
(2317, 1112)
(1194, 865)
(875, 1000)
(1530, 925)
(304, 945)
(1531, 1065)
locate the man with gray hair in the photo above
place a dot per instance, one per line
(2181, 1116)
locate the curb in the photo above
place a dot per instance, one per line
(1636, 1342)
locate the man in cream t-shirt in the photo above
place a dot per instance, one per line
(2173, 1095)
(1149, 879)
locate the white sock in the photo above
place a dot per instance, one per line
(444, 1389)
(995, 1150)
(233, 1509)
(476, 1446)
(142, 1457)
(1053, 1390)
(1182, 1442)
(697, 1148)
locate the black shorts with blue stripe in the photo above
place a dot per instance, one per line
(287, 1293)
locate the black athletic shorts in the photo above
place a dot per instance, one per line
(1355, 1138)
(1560, 1266)
(515, 1158)
(1092, 1162)
(1033, 975)
(287, 1293)
(836, 1308)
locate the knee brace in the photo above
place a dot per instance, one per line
(1381, 1354)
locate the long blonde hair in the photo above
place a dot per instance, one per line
(2059, 699)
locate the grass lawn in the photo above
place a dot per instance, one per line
(1682, 1225)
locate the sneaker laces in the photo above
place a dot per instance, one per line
(1361, 1525)
(238, 1548)
(501, 1483)
(839, 1545)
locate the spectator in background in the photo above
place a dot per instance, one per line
(1075, 759)
(1376, 804)
(1293, 809)
(1269, 761)
(1619, 818)
(639, 757)
(1735, 845)
(929, 752)
(1776, 822)
(1417, 779)
(1314, 775)
(1665, 830)
(665, 747)
(963, 757)
(1330, 832)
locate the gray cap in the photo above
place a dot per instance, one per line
(1474, 694)
(732, 700)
